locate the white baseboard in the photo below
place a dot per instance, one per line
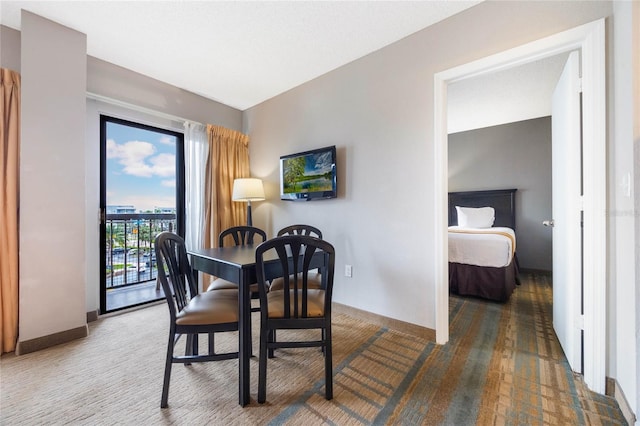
(618, 394)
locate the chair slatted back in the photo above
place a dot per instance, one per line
(297, 256)
(301, 230)
(174, 271)
(242, 235)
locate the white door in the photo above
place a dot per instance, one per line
(566, 208)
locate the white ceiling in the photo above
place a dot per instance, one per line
(241, 53)
(516, 94)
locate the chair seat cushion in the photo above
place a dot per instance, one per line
(212, 307)
(314, 281)
(222, 284)
(315, 303)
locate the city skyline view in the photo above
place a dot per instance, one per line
(141, 168)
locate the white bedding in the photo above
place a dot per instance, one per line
(482, 247)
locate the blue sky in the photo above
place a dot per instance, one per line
(140, 167)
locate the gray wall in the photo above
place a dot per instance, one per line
(119, 83)
(624, 242)
(515, 155)
(378, 111)
(52, 179)
(9, 55)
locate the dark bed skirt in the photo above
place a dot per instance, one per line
(483, 281)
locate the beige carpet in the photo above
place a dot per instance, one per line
(501, 366)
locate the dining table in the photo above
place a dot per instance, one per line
(238, 265)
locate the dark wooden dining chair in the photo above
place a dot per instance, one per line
(191, 313)
(296, 306)
(240, 236)
(314, 280)
(300, 230)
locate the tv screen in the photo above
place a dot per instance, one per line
(309, 175)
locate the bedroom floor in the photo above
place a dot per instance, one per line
(527, 379)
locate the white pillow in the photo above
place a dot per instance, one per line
(482, 217)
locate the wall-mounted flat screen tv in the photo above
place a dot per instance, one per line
(309, 175)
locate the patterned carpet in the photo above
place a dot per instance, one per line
(503, 365)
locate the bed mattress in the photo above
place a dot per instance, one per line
(494, 247)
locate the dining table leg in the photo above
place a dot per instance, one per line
(244, 332)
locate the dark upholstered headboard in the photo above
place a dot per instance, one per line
(502, 200)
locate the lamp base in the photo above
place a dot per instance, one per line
(249, 221)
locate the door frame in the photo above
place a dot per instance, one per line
(105, 118)
(590, 40)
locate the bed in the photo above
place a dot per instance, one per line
(482, 260)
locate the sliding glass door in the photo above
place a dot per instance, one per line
(141, 194)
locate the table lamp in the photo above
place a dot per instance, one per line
(248, 189)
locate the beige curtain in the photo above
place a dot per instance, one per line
(228, 160)
(9, 159)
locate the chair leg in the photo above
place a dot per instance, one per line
(188, 350)
(212, 344)
(250, 337)
(262, 366)
(328, 364)
(194, 351)
(192, 346)
(272, 338)
(167, 372)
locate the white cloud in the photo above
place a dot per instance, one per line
(112, 148)
(168, 140)
(169, 183)
(164, 165)
(137, 159)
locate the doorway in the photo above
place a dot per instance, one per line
(590, 40)
(141, 194)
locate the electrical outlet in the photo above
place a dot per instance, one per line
(347, 271)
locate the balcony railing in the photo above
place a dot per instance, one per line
(130, 253)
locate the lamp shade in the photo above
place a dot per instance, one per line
(247, 189)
